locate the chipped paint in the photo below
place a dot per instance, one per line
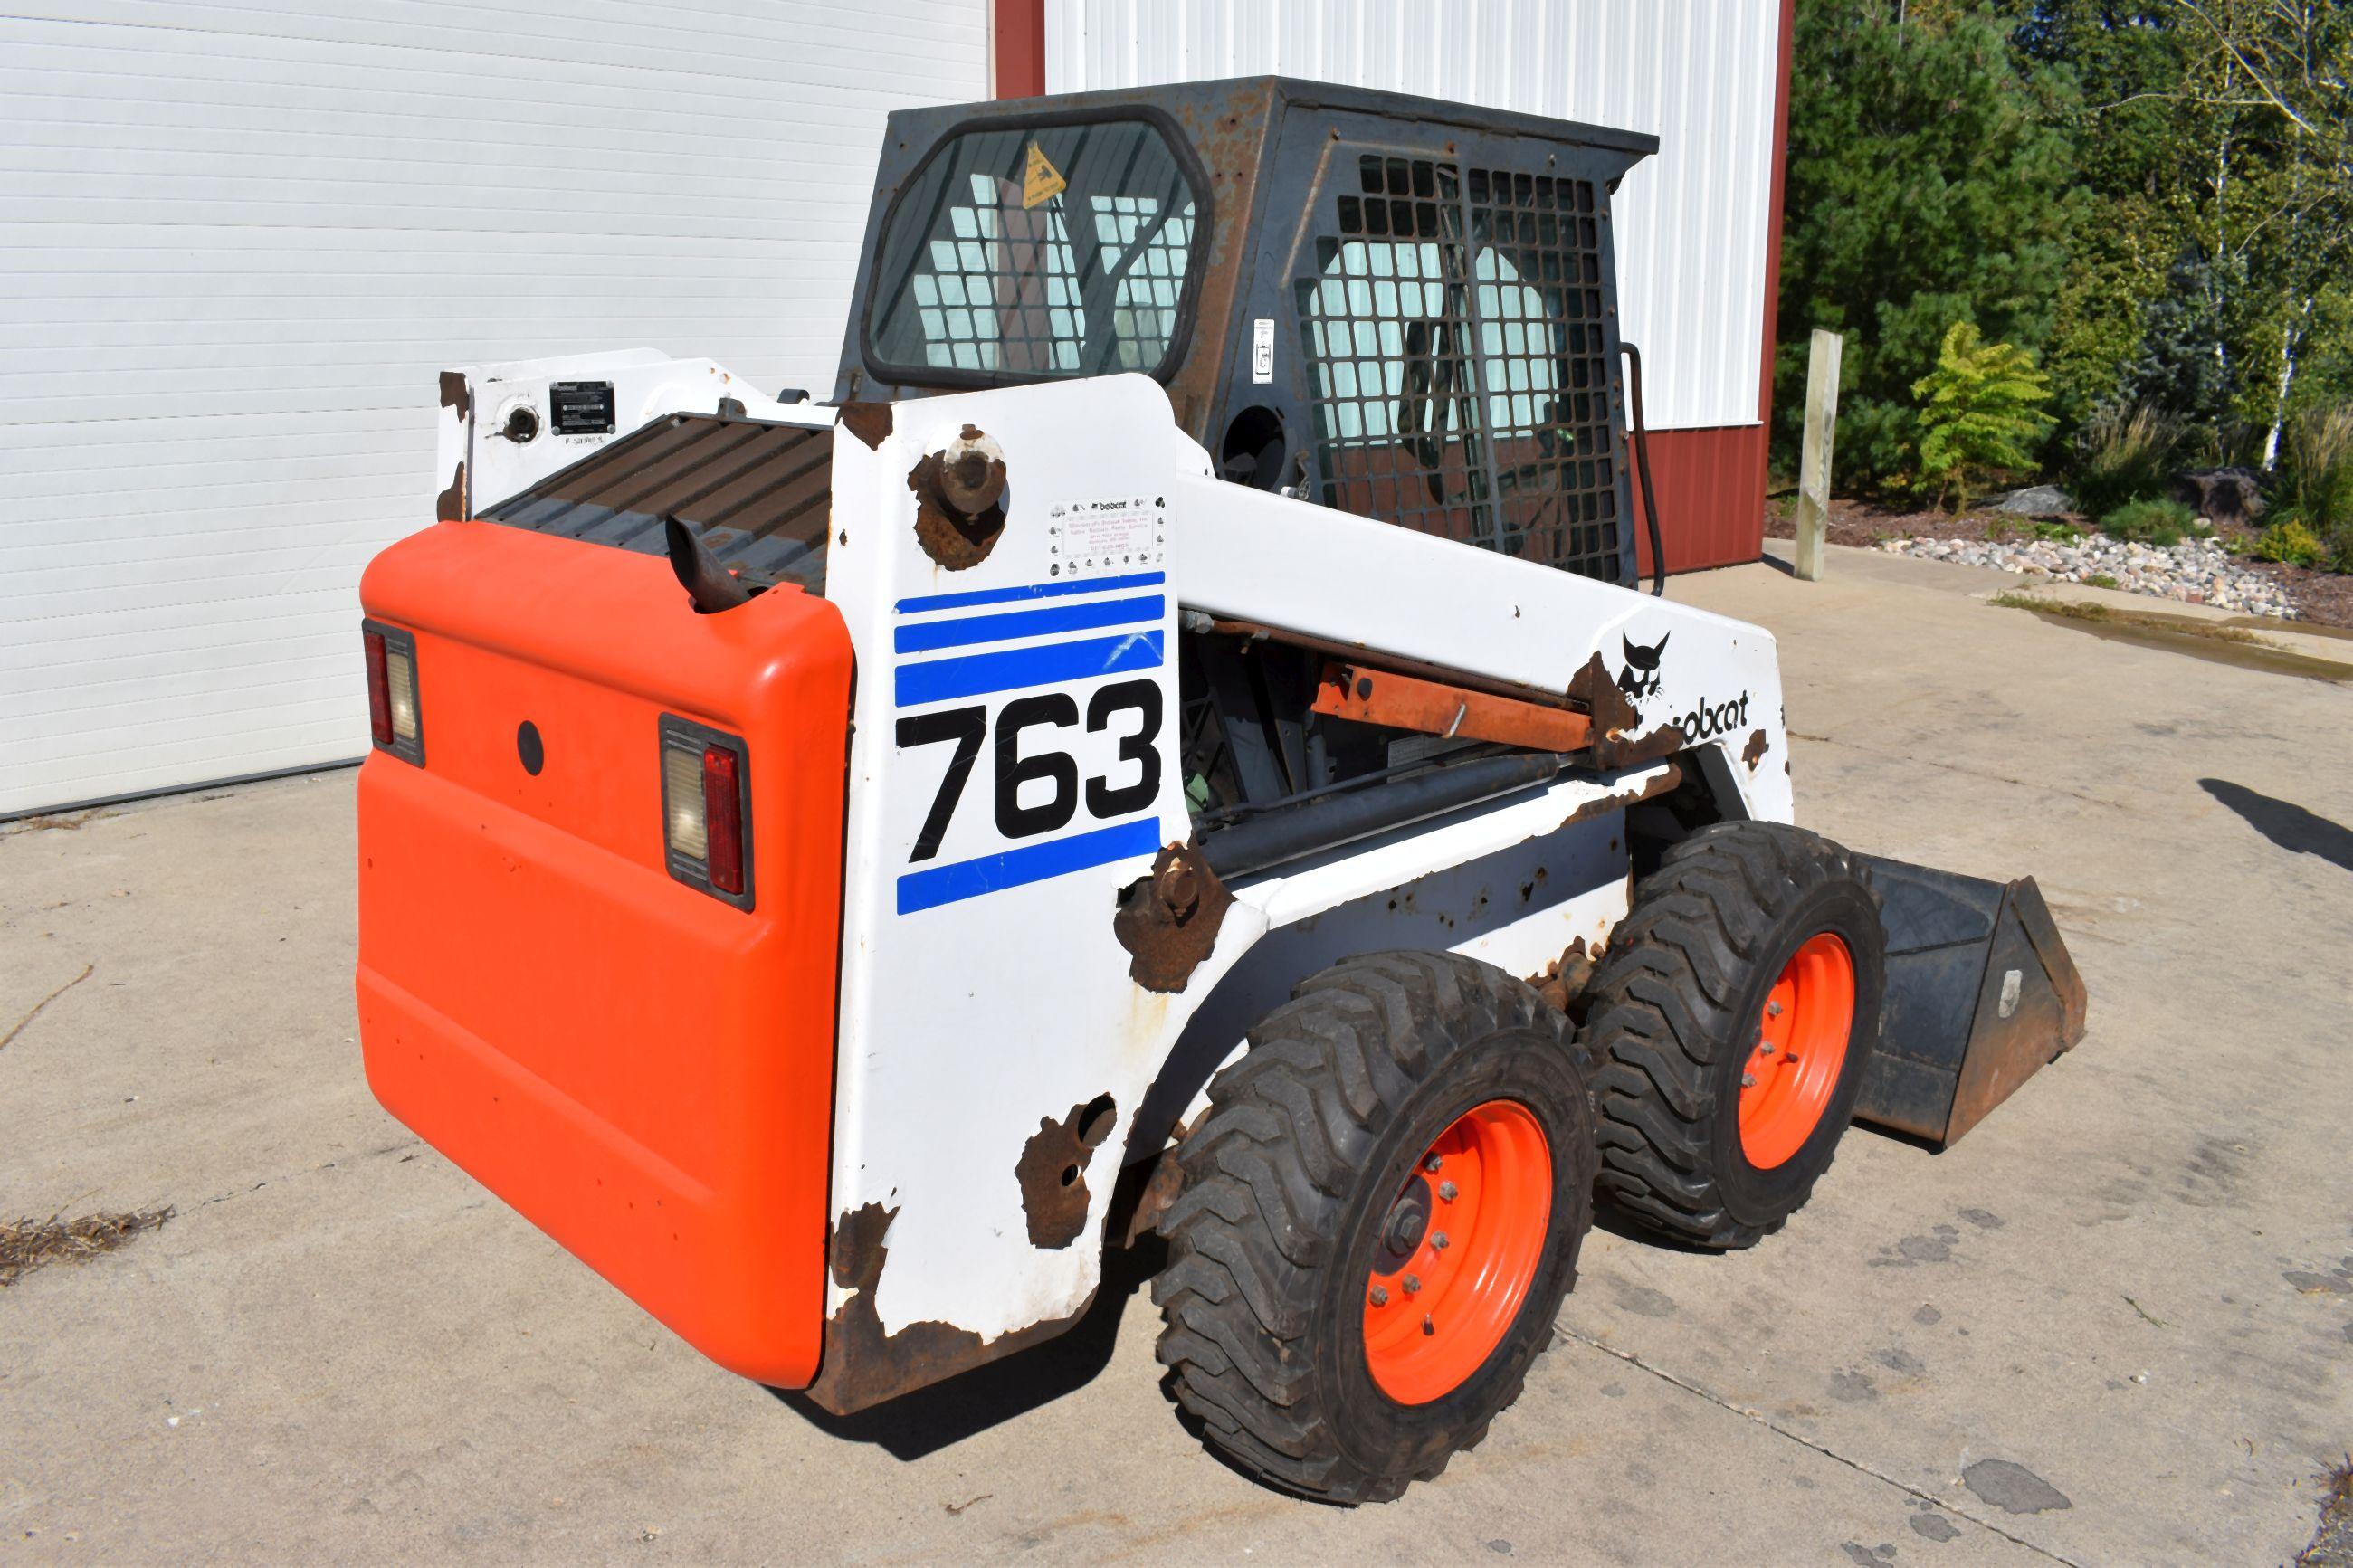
(870, 422)
(864, 1366)
(1651, 786)
(1168, 920)
(1753, 752)
(457, 395)
(959, 503)
(449, 505)
(1052, 1171)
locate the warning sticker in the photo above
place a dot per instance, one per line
(1101, 538)
(1040, 181)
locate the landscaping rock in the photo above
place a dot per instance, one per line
(2036, 500)
(2221, 495)
(2194, 572)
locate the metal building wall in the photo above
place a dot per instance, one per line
(238, 241)
(1696, 229)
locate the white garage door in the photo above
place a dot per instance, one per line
(1700, 75)
(238, 241)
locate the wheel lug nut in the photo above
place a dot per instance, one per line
(1380, 1296)
(1439, 1241)
(1412, 1283)
(1772, 1009)
(1434, 1163)
(1748, 1080)
(1447, 1190)
(1764, 1049)
(1428, 1327)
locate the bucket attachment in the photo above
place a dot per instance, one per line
(1980, 996)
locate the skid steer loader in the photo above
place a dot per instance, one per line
(1175, 744)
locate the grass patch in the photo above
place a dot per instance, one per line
(2332, 1544)
(29, 1244)
(2098, 580)
(2180, 624)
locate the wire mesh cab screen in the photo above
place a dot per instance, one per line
(1452, 318)
(1036, 252)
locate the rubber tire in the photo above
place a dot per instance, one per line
(1286, 1182)
(1673, 1017)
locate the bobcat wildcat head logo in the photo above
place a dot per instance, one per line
(1640, 676)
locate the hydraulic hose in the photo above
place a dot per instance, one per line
(1642, 465)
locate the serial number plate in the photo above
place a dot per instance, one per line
(580, 407)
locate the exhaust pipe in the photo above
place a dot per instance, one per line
(706, 581)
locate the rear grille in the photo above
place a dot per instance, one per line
(759, 495)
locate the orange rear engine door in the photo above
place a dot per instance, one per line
(643, 1068)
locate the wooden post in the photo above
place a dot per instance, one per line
(1814, 462)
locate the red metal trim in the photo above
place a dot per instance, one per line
(1711, 497)
(1017, 48)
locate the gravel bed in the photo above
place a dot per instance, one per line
(2194, 572)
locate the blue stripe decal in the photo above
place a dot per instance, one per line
(1032, 591)
(922, 636)
(1056, 663)
(938, 885)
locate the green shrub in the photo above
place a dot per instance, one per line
(2052, 531)
(2124, 456)
(2290, 543)
(2318, 471)
(2153, 522)
(1980, 409)
(2098, 580)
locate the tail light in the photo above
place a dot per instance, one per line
(396, 715)
(706, 809)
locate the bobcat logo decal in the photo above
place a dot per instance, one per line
(1640, 676)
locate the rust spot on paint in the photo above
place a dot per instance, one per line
(855, 1254)
(455, 394)
(862, 1365)
(954, 539)
(1052, 1171)
(449, 505)
(1659, 784)
(1562, 984)
(870, 422)
(1168, 920)
(1753, 752)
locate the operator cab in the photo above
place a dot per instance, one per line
(1399, 307)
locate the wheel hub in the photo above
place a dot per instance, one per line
(1790, 1073)
(1407, 1221)
(1469, 1224)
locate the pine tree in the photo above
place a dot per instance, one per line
(1980, 408)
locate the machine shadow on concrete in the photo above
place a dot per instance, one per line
(2290, 826)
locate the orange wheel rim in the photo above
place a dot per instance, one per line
(1792, 1068)
(1457, 1252)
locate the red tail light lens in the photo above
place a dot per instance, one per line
(395, 709)
(706, 809)
(722, 819)
(379, 691)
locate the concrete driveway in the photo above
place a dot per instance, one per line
(2112, 1325)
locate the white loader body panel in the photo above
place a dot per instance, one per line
(1015, 764)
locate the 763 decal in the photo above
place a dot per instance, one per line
(1024, 753)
